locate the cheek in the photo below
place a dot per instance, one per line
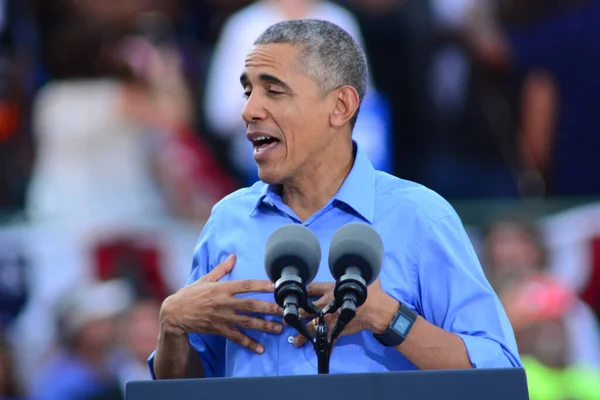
(301, 124)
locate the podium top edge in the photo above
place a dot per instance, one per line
(455, 372)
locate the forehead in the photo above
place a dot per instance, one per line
(276, 58)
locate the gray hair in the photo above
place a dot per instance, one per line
(330, 56)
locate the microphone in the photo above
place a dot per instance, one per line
(292, 258)
(355, 258)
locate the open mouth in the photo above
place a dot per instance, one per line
(262, 143)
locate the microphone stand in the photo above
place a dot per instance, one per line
(321, 342)
(293, 297)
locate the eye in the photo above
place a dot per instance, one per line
(272, 92)
(247, 94)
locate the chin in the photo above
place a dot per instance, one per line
(269, 176)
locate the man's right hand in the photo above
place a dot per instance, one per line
(210, 307)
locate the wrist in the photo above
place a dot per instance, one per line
(169, 326)
(382, 316)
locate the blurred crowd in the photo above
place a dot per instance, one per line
(120, 128)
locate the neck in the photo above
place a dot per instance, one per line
(312, 189)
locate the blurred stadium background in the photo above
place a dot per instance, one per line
(120, 127)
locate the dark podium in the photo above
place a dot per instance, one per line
(489, 384)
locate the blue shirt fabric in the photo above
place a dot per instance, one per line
(429, 265)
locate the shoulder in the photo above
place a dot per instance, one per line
(404, 195)
(242, 201)
(228, 215)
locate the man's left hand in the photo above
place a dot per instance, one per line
(374, 315)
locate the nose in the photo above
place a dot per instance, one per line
(254, 110)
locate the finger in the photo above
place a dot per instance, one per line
(250, 285)
(256, 306)
(330, 320)
(320, 304)
(306, 314)
(320, 288)
(300, 340)
(238, 337)
(257, 324)
(220, 270)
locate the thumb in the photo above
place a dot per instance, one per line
(220, 270)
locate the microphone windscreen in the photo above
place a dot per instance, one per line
(293, 245)
(356, 245)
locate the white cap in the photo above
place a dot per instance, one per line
(93, 302)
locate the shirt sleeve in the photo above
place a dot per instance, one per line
(456, 296)
(211, 348)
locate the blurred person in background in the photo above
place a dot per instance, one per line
(555, 46)
(474, 139)
(93, 172)
(514, 251)
(115, 154)
(15, 138)
(401, 38)
(117, 66)
(14, 281)
(513, 246)
(224, 96)
(138, 332)
(15, 292)
(190, 176)
(573, 238)
(537, 308)
(94, 126)
(9, 389)
(80, 366)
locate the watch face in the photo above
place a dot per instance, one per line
(401, 324)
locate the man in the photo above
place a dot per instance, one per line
(304, 81)
(222, 97)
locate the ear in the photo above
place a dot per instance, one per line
(346, 105)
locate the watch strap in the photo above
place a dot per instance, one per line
(399, 328)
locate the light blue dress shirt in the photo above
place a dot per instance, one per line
(429, 265)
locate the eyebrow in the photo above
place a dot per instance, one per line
(267, 78)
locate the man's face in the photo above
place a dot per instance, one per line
(286, 114)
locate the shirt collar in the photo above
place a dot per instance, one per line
(357, 191)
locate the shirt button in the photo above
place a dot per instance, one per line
(290, 339)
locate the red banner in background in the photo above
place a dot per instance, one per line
(138, 261)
